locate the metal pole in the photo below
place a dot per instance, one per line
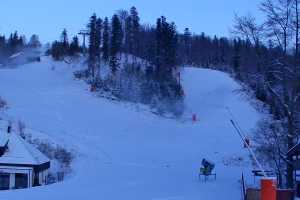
(250, 150)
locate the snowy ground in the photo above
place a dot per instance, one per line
(124, 153)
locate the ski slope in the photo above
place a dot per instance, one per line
(122, 150)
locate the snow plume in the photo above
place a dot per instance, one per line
(24, 56)
(134, 84)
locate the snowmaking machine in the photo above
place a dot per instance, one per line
(207, 170)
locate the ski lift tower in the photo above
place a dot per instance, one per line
(84, 34)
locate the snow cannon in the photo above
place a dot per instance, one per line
(207, 167)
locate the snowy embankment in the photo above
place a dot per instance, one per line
(124, 153)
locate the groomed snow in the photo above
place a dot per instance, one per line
(124, 152)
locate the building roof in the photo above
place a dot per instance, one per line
(21, 153)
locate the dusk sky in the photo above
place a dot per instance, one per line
(48, 17)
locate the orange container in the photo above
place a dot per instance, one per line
(268, 188)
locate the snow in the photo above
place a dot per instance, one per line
(20, 152)
(3, 139)
(125, 152)
(15, 55)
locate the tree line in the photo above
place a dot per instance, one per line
(16, 43)
(141, 69)
(274, 76)
(61, 48)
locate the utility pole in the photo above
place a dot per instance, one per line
(84, 34)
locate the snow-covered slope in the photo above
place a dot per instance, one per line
(127, 153)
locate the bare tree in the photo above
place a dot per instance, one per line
(271, 143)
(246, 27)
(278, 18)
(282, 27)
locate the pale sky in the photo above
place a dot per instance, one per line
(47, 18)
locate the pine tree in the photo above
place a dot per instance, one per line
(3, 47)
(115, 43)
(13, 42)
(21, 41)
(132, 33)
(128, 36)
(158, 46)
(98, 43)
(98, 37)
(92, 44)
(74, 46)
(166, 47)
(187, 45)
(105, 46)
(171, 45)
(65, 41)
(135, 20)
(34, 41)
(57, 50)
(237, 58)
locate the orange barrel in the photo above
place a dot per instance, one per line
(268, 188)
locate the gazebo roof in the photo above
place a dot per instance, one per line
(21, 153)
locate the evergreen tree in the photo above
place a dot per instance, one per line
(34, 41)
(74, 46)
(158, 46)
(105, 46)
(98, 37)
(135, 30)
(92, 44)
(128, 36)
(187, 45)
(3, 47)
(65, 41)
(13, 42)
(166, 47)
(57, 50)
(98, 44)
(115, 43)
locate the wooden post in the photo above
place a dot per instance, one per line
(194, 118)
